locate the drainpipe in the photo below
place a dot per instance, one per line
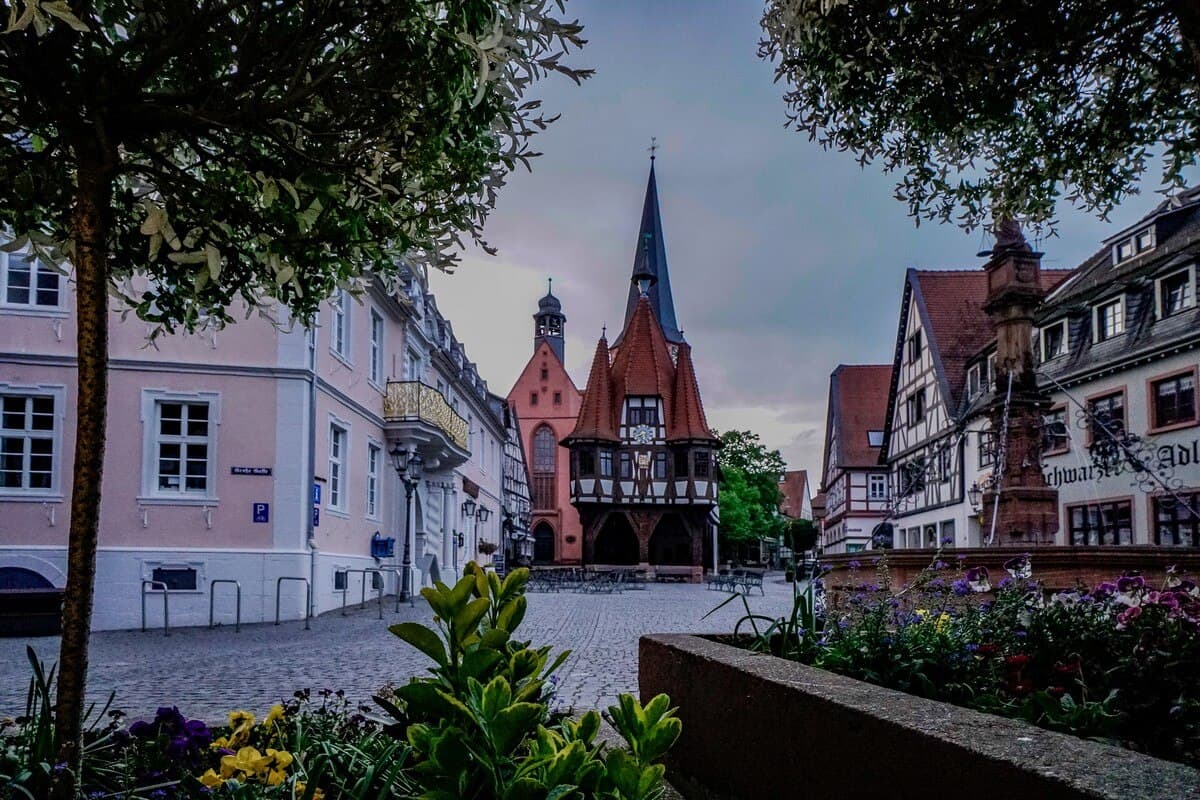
(312, 468)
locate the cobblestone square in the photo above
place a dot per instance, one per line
(209, 672)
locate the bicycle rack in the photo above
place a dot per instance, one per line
(166, 610)
(307, 597)
(399, 582)
(363, 596)
(212, 596)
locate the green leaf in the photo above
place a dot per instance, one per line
(467, 620)
(423, 639)
(496, 696)
(512, 724)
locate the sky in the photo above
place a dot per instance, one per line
(785, 260)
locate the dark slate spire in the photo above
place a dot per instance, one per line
(650, 261)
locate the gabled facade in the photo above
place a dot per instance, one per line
(546, 403)
(931, 438)
(643, 467)
(853, 482)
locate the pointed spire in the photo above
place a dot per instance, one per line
(650, 268)
(688, 422)
(596, 418)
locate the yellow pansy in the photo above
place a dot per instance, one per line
(247, 761)
(273, 716)
(942, 623)
(211, 779)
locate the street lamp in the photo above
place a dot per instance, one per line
(408, 467)
(974, 495)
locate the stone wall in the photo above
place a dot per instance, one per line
(755, 726)
(1056, 567)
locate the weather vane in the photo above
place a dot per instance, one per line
(653, 146)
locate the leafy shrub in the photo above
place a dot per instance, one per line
(480, 727)
(1117, 662)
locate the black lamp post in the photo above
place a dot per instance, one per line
(408, 467)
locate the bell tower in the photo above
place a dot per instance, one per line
(549, 322)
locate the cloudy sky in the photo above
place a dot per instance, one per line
(785, 260)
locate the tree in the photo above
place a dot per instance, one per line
(749, 486)
(189, 156)
(995, 109)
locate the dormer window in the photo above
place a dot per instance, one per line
(974, 381)
(875, 438)
(1110, 319)
(1054, 340)
(642, 411)
(1176, 292)
(1135, 245)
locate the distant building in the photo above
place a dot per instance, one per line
(643, 466)
(517, 546)
(796, 499)
(546, 403)
(854, 484)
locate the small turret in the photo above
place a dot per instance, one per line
(549, 322)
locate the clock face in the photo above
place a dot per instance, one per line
(643, 434)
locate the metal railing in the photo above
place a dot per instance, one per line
(416, 401)
(307, 598)
(212, 596)
(166, 607)
(363, 597)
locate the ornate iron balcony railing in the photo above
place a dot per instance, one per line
(413, 401)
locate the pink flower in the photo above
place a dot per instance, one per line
(1127, 616)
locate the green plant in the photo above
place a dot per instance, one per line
(480, 726)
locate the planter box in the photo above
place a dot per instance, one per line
(756, 726)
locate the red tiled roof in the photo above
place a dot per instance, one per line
(688, 422)
(858, 395)
(952, 302)
(643, 362)
(794, 487)
(596, 417)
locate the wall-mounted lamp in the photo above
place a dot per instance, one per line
(974, 495)
(468, 507)
(482, 514)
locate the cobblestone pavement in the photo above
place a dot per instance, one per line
(209, 672)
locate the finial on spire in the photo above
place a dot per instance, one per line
(549, 285)
(604, 331)
(653, 147)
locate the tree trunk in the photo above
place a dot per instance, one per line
(90, 227)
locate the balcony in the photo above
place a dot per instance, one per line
(419, 417)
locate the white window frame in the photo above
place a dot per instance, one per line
(1098, 319)
(36, 268)
(412, 365)
(375, 359)
(339, 333)
(374, 460)
(1159, 311)
(152, 399)
(875, 482)
(974, 381)
(1066, 345)
(1135, 245)
(339, 465)
(58, 393)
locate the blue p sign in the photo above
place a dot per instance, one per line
(262, 512)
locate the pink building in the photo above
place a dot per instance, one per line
(248, 454)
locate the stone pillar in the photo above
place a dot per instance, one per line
(449, 545)
(1025, 508)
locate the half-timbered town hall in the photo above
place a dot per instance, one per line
(633, 455)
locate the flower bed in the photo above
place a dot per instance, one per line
(478, 727)
(1118, 662)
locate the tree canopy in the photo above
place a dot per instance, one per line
(750, 493)
(995, 110)
(267, 151)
